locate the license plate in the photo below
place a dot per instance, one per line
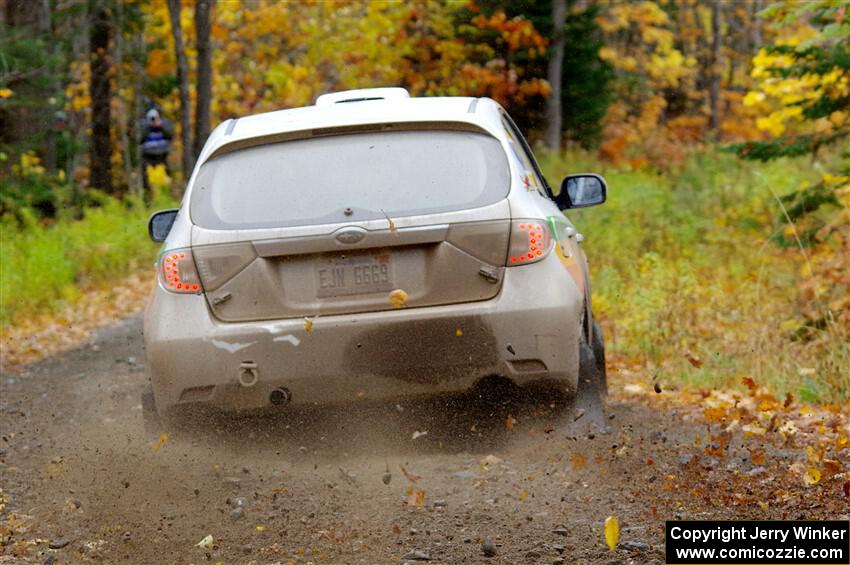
(343, 275)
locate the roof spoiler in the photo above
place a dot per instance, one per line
(362, 95)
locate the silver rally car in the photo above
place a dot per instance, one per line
(372, 245)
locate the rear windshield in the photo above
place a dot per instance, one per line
(342, 178)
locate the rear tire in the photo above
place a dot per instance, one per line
(592, 380)
(152, 421)
(597, 342)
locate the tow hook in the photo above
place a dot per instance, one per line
(248, 374)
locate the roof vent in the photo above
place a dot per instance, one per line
(362, 95)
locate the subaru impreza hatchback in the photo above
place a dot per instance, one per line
(373, 245)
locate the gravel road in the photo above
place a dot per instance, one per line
(491, 476)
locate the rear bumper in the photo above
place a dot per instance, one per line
(529, 331)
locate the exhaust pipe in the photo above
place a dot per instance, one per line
(248, 374)
(280, 396)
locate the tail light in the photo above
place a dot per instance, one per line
(531, 241)
(177, 272)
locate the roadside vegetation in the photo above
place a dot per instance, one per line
(700, 281)
(49, 262)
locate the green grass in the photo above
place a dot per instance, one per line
(681, 264)
(45, 267)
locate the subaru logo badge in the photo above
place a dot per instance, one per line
(350, 236)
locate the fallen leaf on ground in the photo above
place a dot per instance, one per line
(756, 455)
(612, 532)
(163, 437)
(308, 325)
(812, 476)
(490, 460)
(408, 475)
(510, 422)
(206, 543)
(713, 415)
(578, 460)
(415, 497)
(693, 359)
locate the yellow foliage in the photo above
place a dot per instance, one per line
(159, 63)
(29, 165)
(159, 179)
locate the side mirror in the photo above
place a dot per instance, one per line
(581, 191)
(160, 224)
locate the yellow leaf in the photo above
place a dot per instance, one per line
(812, 477)
(260, 528)
(612, 532)
(578, 460)
(6, 92)
(308, 325)
(715, 414)
(415, 497)
(389, 221)
(398, 298)
(163, 437)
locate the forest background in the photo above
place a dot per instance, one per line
(722, 255)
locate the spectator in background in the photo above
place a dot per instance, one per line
(156, 143)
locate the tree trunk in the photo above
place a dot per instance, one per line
(756, 22)
(554, 116)
(139, 60)
(124, 117)
(183, 84)
(204, 80)
(714, 86)
(100, 150)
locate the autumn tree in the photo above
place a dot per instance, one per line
(554, 74)
(186, 157)
(714, 64)
(802, 92)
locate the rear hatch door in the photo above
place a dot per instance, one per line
(345, 222)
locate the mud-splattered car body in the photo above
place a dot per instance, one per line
(373, 245)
